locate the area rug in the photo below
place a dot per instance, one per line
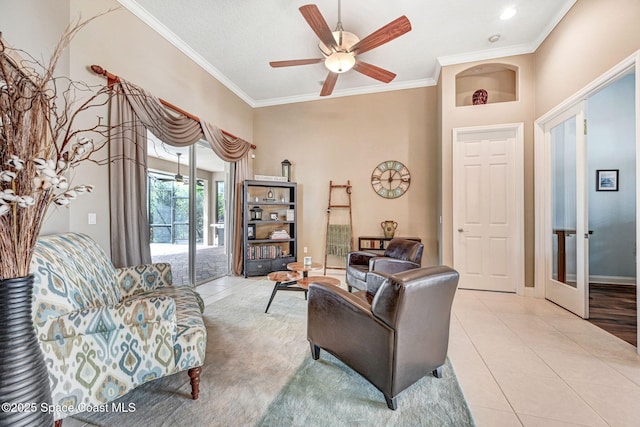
(258, 372)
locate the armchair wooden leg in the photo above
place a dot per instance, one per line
(194, 374)
(437, 372)
(349, 288)
(392, 402)
(57, 423)
(315, 351)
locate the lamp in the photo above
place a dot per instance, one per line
(286, 169)
(256, 213)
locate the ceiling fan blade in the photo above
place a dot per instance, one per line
(329, 84)
(294, 62)
(318, 24)
(374, 72)
(392, 30)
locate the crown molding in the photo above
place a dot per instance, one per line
(171, 37)
(347, 92)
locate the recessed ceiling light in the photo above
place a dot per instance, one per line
(508, 13)
(494, 38)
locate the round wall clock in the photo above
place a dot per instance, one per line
(390, 179)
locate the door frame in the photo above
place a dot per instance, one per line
(518, 154)
(542, 174)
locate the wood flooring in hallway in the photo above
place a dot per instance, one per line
(614, 309)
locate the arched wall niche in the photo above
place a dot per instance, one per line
(499, 80)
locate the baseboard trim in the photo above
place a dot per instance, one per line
(607, 280)
(613, 280)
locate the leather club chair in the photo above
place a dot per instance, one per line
(392, 336)
(400, 255)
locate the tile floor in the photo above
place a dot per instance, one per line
(523, 361)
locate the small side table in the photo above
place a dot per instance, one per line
(305, 269)
(284, 280)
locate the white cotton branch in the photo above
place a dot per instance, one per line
(8, 195)
(16, 162)
(7, 176)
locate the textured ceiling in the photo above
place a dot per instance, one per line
(235, 39)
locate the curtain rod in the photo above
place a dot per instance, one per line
(112, 78)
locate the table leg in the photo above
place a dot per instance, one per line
(273, 294)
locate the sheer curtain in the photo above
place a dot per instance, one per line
(133, 110)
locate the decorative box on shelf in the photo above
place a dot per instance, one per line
(378, 243)
(270, 178)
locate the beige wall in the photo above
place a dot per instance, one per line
(124, 45)
(48, 20)
(342, 139)
(489, 114)
(593, 37)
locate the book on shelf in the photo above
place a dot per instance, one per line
(264, 252)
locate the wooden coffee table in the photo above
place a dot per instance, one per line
(285, 281)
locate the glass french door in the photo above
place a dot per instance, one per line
(567, 267)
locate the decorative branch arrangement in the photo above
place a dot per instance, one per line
(42, 139)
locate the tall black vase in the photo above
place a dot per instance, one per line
(24, 381)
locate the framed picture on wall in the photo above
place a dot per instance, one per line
(607, 179)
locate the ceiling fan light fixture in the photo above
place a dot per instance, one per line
(178, 176)
(348, 40)
(340, 62)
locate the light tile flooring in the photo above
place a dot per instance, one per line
(524, 361)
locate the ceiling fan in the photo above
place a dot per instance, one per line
(340, 48)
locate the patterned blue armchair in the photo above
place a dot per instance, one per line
(104, 330)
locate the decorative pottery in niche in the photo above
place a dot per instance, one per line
(389, 228)
(480, 97)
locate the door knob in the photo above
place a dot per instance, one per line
(460, 230)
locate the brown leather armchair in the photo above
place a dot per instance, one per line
(400, 255)
(392, 336)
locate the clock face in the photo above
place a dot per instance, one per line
(390, 179)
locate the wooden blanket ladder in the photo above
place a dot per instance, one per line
(339, 238)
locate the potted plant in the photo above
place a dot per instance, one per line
(40, 145)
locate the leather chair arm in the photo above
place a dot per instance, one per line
(359, 258)
(338, 296)
(375, 280)
(391, 265)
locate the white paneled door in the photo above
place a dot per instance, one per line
(488, 187)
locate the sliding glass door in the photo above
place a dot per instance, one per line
(187, 210)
